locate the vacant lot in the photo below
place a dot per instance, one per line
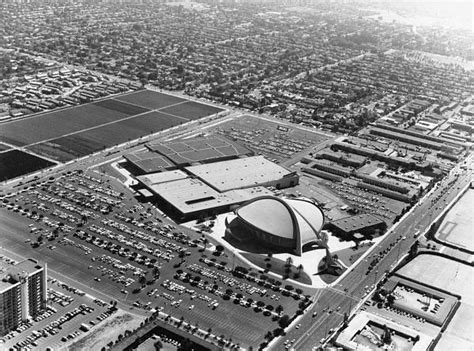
(441, 273)
(456, 228)
(15, 163)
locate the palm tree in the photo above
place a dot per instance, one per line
(182, 255)
(299, 269)
(156, 272)
(142, 280)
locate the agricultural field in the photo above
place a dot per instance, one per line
(15, 163)
(47, 126)
(150, 99)
(84, 143)
(70, 133)
(191, 110)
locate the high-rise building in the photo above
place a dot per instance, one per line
(23, 294)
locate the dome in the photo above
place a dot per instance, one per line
(299, 219)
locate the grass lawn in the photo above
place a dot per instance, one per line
(350, 255)
(278, 267)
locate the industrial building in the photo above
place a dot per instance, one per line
(23, 294)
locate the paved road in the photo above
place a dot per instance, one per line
(350, 289)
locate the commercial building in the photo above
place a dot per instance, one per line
(285, 223)
(365, 331)
(163, 156)
(244, 173)
(212, 188)
(23, 294)
(144, 162)
(208, 149)
(409, 163)
(365, 224)
(386, 192)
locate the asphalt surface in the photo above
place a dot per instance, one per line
(350, 290)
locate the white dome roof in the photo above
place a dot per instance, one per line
(299, 219)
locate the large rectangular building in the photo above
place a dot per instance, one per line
(187, 198)
(23, 294)
(243, 173)
(208, 149)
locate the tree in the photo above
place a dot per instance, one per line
(279, 309)
(284, 321)
(289, 261)
(387, 336)
(158, 345)
(142, 280)
(156, 272)
(182, 255)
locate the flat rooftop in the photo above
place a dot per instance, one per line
(200, 149)
(358, 222)
(148, 161)
(153, 179)
(351, 338)
(189, 195)
(10, 274)
(239, 173)
(420, 300)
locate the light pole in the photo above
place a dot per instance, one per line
(399, 248)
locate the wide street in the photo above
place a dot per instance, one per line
(343, 296)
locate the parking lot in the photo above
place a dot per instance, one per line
(276, 140)
(89, 228)
(70, 313)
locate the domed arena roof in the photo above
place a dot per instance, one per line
(299, 219)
